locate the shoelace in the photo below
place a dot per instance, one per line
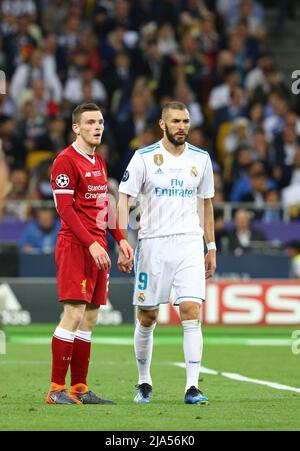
(89, 393)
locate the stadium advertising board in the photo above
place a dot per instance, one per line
(34, 300)
(255, 302)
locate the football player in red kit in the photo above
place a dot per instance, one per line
(79, 183)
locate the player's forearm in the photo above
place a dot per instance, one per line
(113, 225)
(123, 213)
(117, 234)
(71, 219)
(208, 221)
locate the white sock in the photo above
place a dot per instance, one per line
(143, 345)
(192, 348)
(83, 335)
(64, 334)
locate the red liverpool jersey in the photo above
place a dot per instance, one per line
(79, 184)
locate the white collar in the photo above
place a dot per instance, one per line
(91, 159)
(162, 147)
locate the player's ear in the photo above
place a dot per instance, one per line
(162, 124)
(76, 129)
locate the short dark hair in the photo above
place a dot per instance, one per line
(77, 112)
(172, 106)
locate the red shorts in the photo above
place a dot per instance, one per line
(78, 278)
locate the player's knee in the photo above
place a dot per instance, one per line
(90, 323)
(189, 310)
(147, 317)
(74, 317)
(147, 322)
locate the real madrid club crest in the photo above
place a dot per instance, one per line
(158, 159)
(141, 297)
(194, 171)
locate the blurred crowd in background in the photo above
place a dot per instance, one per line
(132, 56)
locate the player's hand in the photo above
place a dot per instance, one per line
(126, 249)
(210, 263)
(100, 256)
(125, 260)
(124, 265)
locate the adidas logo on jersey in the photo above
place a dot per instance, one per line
(158, 171)
(88, 174)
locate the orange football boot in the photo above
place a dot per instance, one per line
(81, 393)
(57, 395)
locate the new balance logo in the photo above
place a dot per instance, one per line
(88, 174)
(158, 171)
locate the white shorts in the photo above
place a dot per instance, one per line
(174, 262)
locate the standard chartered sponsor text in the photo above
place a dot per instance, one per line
(97, 187)
(96, 195)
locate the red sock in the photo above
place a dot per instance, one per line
(80, 358)
(62, 347)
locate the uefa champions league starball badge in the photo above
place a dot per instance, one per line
(62, 180)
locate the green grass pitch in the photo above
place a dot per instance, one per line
(234, 405)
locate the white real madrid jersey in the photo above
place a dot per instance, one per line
(168, 186)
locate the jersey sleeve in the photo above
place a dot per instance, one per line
(63, 177)
(134, 176)
(63, 182)
(206, 188)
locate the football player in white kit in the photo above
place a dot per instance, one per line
(175, 182)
